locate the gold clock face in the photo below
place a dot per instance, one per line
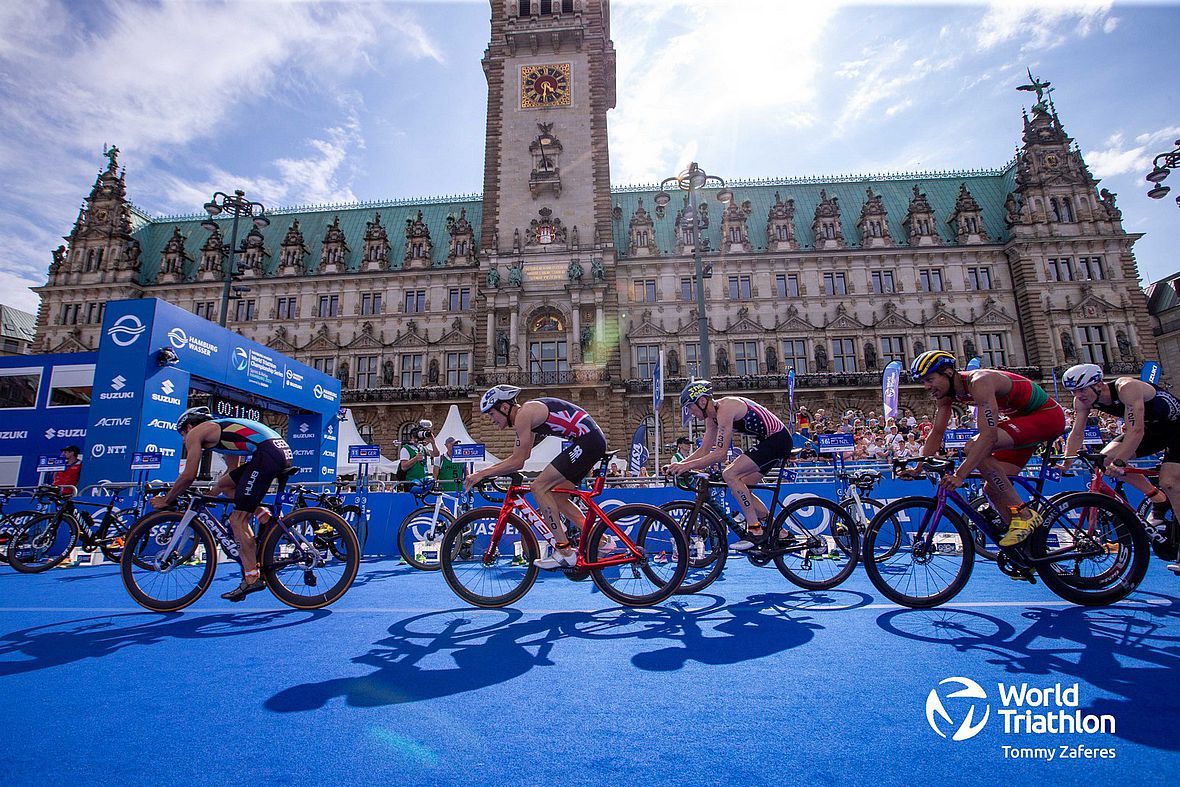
(545, 86)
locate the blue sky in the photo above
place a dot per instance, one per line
(306, 102)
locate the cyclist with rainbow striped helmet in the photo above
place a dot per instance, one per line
(723, 417)
(1151, 423)
(1015, 416)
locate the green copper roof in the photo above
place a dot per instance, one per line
(990, 188)
(314, 221)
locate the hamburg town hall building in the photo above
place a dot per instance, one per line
(557, 281)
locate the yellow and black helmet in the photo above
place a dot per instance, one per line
(929, 362)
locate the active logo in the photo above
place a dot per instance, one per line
(323, 393)
(938, 716)
(160, 423)
(113, 422)
(51, 433)
(126, 330)
(241, 359)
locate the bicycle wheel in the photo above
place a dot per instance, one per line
(10, 524)
(935, 559)
(823, 543)
(43, 543)
(484, 572)
(165, 569)
(112, 535)
(868, 509)
(310, 559)
(356, 519)
(651, 578)
(708, 545)
(983, 547)
(1098, 548)
(420, 528)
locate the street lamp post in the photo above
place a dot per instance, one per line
(692, 180)
(237, 206)
(1163, 164)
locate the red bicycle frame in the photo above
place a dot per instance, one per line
(514, 503)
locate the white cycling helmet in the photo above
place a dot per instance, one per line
(1081, 376)
(497, 394)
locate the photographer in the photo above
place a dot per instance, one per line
(417, 453)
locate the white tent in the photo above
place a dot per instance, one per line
(346, 435)
(543, 453)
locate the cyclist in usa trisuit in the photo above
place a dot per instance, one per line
(1151, 418)
(246, 484)
(722, 418)
(546, 416)
(1015, 415)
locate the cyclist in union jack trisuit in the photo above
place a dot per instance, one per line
(546, 416)
(722, 418)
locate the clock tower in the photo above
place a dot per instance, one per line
(547, 261)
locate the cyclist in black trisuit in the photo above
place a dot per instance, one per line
(1151, 423)
(723, 417)
(546, 416)
(246, 484)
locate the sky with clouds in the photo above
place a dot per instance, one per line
(305, 102)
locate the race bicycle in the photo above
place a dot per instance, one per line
(354, 515)
(309, 558)
(420, 534)
(1089, 550)
(488, 553)
(11, 522)
(853, 490)
(813, 541)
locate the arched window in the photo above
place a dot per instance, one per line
(1067, 209)
(366, 432)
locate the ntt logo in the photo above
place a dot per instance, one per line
(941, 720)
(126, 330)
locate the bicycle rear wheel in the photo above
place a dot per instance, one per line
(43, 543)
(651, 578)
(310, 559)
(10, 524)
(868, 509)
(484, 572)
(1099, 549)
(823, 540)
(117, 525)
(935, 559)
(165, 570)
(708, 545)
(356, 519)
(420, 527)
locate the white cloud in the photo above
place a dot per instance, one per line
(1041, 26)
(1117, 158)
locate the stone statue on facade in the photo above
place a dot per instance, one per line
(342, 373)
(821, 358)
(1107, 200)
(722, 361)
(432, 371)
(501, 348)
(1125, 350)
(586, 339)
(59, 257)
(516, 275)
(112, 154)
(771, 359)
(574, 238)
(493, 276)
(870, 356)
(596, 271)
(516, 239)
(575, 271)
(387, 373)
(969, 348)
(1011, 210)
(1067, 347)
(673, 362)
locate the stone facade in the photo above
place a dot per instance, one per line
(554, 280)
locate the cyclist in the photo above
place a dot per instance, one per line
(1151, 417)
(246, 484)
(1015, 415)
(722, 418)
(546, 416)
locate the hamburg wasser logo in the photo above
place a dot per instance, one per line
(126, 330)
(178, 338)
(240, 359)
(963, 724)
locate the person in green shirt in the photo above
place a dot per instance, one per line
(683, 449)
(416, 454)
(448, 472)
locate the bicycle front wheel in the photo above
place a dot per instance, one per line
(822, 543)
(43, 543)
(165, 570)
(1098, 550)
(655, 575)
(487, 571)
(934, 561)
(419, 538)
(311, 559)
(708, 545)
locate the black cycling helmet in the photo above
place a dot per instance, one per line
(193, 416)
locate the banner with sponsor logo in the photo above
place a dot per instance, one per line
(639, 452)
(1151, 373)
(890, 381)
(791, 391)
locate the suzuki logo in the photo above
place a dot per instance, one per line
(118, 383)
(303, 427)
(968, 727)
(167, 387)
(178, 338)
(126, 330)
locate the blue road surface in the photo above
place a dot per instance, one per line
(753, 682)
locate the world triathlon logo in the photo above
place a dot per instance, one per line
(240, 359)
(126, 330)
(940, 718)
(178, 338)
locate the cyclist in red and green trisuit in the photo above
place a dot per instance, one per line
(1015, 416)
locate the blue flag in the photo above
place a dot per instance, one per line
(1150, 373)
(639, 452)
(974, 363)
(791, 389)
(890, 381)
(657, 384)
